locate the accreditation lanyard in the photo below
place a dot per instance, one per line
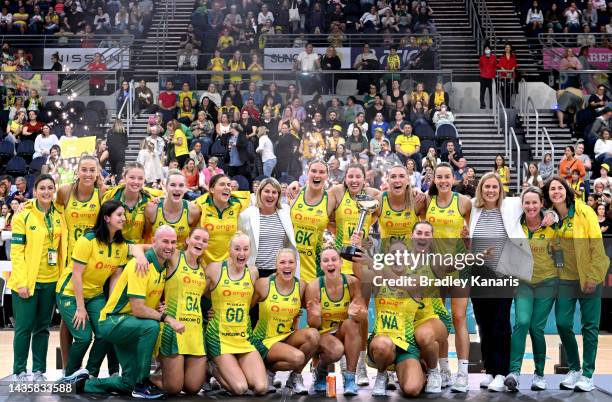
(51, 251)
(133, 211)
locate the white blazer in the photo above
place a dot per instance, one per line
(248, 222)
(516, 258)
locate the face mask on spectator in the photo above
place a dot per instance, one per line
(488, 52)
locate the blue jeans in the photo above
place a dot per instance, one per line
(268, 167)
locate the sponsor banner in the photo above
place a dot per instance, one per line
(78, 58)
(281, 58)
(407, 55)
(76, 146)
(600, 58)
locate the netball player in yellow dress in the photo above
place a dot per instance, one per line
(335, 307)
(238, 366)
(81, 201)
(448, 213)
(282, 346)
(173, 210)
(182, 356)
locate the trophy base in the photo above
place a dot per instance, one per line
(348, 252)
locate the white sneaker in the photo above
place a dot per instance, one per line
(497, 385)
(361, 377)
(342, 363)
(276, 381)
(392, 381)
(538, 383)
(271, 387)
(487, 380)
(461, 382)
(37, 376)
(570, 380)
(21, 377)
(380, 384)
(512, 382)
(585, 384)
(296, 382)
(434, 382)
(446, 378)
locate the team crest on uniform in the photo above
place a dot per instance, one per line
(246, 284)
(92, 206)
(319, 212)
(32, 227)
(326, 304)
(74, 203)
(274, 297)
(226, 282)
(300, 205)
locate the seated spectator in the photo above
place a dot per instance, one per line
(422, 19)
(16, 108)
(587, 38)
(32, 128)
(534, 19)
(361, 122)
(553, 18)
(122, 19)
(23, 193)
(414, 175)
(144, 99)
(233, 20)
(589, 16)
(431, 159)
(15, 127)
(167, 102)
(122, 95)
(272, 108)
(6, 21)
(336, 175)
(394, 93)
(34, 101)
(20, 20)
(232, 92)
(188, 54)
(376, 142)
(602, 122)
(209, 171)
(603, 148)
(389, 21)
(367, 60)
(254, 94)
(532, 176)
(186, 112)
(225, 43)
(408, 146)
(419, 94)
(251, 110)
(357, 142)
(229, 109)
(192, 176)
(443, 116)
(451, 155)
(45, 142)
(102, 21)
(572, 18)
(419, 111)
(36, 22)
(378, 122)
(369, 21)
(438, 98)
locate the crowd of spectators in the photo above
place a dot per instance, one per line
(64, 18)
(585, 17)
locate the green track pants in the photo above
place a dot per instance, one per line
(82, 336)
(590, 313)
(32, 319)
(532, 305)
(134, 340)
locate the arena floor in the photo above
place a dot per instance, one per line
(603, 380)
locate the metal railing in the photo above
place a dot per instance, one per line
(528, 121)
(552, 145)
(487, 25)
(68, 41)
(128, 105)
(573, 39)
(199, 80)
(518, 158)
(161, 30)
(351, 40)
(498, 111)
(477, 31)
(49, 83)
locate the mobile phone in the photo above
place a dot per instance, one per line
(558, 258)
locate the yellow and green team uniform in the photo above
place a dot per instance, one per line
(347, 218)
(432, 305)
(133, 229)
(534, 300)
(221, 225)
(333, 312)
(395, 316)
(395, 225)
(229, 331)
(277, 313)
(447, 223)
(80, 216)
(182, 294)
(309, 223)
(36, 234)
(133, 338)
(180, 226)
(101, 260)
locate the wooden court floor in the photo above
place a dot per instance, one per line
(603, 363)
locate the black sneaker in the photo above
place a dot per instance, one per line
(147, 391)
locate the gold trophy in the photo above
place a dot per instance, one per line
(366, 205)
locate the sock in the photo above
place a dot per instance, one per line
(443, 363)
(362, 356)
(321, 372)
(463, 366)
(432, 370)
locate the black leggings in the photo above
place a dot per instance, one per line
(493, 319)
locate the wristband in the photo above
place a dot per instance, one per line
(162, 317)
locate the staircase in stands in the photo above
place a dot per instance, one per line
(560, 137)
(151, 56)
(508, 28)
(480, 142)
(458, 51)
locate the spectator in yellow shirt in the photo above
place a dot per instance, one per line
(408, 146)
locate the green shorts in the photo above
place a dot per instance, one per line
(401, 354)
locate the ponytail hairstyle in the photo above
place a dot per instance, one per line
(98, 182)
(408, 195)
